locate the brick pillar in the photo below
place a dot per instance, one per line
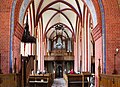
(97, 34)
(5, 14)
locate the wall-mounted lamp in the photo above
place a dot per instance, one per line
(116, 52)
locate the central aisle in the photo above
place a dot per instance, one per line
(59, 82)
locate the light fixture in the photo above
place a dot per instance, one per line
(116, 52)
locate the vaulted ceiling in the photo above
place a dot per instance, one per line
(59, 12)
(63, 14)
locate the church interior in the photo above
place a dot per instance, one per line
(59, 43)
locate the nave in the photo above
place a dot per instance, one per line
(58, 37)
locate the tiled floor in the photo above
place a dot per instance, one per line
(59, 82)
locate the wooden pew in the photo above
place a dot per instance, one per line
(74, 80)
(79, 80)
(108, 80)
(86, 79)
(40, 80)
(10, 80)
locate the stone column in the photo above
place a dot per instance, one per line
(83, 53)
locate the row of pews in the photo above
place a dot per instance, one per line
(35, 80)
(72, 80)
(40, 80)
(25, 78)
(46, 80)
(79, 80)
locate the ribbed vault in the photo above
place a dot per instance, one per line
(51, 12)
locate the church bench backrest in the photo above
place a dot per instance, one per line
(74, 77)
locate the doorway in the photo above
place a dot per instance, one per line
(59, 70)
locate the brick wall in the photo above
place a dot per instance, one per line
(18, 32)
(5, 13)
(16, 54)
(5, 16)
(112, 19)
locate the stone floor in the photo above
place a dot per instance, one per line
(59, 82)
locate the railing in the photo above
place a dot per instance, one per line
(10, 80)
(60, 52)
(108, 80)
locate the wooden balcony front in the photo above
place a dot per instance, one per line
(59, 55)
(65, 58)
